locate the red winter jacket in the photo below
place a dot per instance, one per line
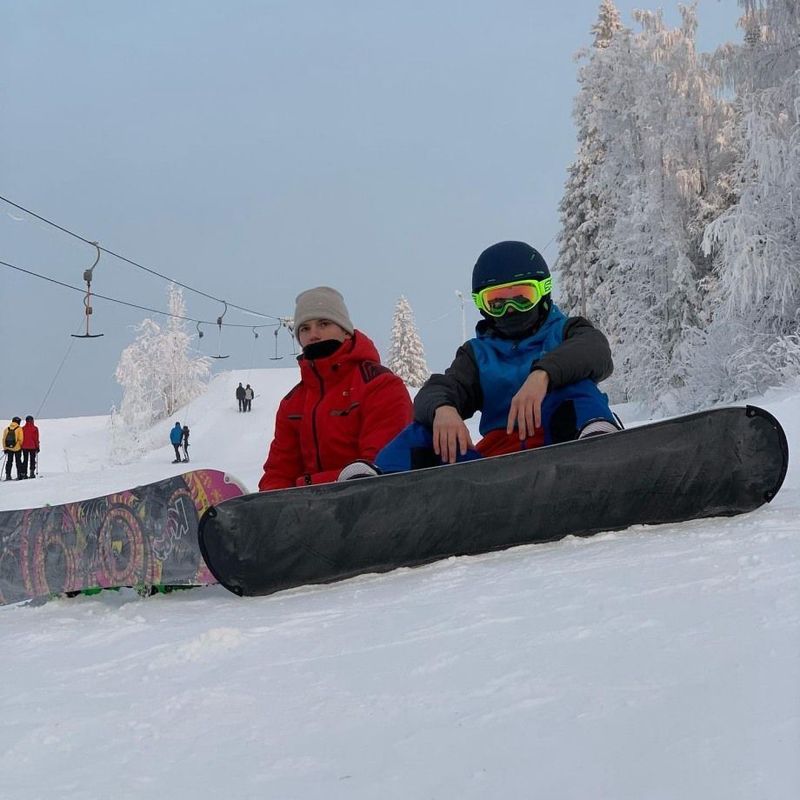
(346, 407)
(30, 436)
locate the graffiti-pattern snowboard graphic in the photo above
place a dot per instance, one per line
(142, 537)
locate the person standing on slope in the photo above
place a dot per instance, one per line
(531, 371)
(347, 405)
(185, 443)
(175, 437)
(240, 396)
(12, 447)
(30, 447)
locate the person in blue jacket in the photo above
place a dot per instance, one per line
(530, 370)
(176, 436)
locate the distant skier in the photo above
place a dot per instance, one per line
(176, 436)
(185, 443)
(30, 447)
(249, 394)
(12, 447)
(346, 406)
(240, 396)
(531, 371)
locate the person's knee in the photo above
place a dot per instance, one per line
(569, 411)
(403, 452)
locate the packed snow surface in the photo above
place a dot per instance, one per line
(659, 662)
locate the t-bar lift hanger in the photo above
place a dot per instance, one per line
(87, 300)
(219, 325)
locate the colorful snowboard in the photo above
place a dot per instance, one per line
(142, 537)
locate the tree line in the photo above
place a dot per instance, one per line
(679, 217)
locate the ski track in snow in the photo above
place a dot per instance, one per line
(656, 662)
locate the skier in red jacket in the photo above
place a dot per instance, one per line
(346, 407)
(30, 447)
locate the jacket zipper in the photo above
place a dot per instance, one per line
(314, 416)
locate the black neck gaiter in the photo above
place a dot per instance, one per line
(321, 349)
(519, 324)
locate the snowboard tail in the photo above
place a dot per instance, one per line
(715, 463)
(142, 537)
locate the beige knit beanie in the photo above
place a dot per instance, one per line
(322, 303)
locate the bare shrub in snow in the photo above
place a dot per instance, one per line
(159, 372)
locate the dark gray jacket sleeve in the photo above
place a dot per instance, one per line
(584, 353)
(460, 387)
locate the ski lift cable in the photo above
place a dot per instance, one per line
(252, 354)
(133, 263)
(135, 305)
(552, 239)
(288, 323)
(57, 373)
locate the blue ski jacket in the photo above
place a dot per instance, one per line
(176, 434)
(489, 370)
(504, 364)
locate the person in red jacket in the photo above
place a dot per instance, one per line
(346, 407)
(30, 447)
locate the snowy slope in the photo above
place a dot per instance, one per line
(75, 452)
(651, 663)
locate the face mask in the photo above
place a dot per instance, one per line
(520, 325)
(321, 349)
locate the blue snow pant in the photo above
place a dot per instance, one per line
(565, 412)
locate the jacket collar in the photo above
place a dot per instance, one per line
(353, 351)
(485, 330)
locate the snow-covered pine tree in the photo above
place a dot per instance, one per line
(752, 340)
(585, 208)
(654, 119)
(158, 373)
(406, 355)
(658, 242)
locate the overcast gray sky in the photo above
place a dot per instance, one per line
(255, 149)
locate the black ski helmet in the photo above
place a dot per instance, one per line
(506, 262)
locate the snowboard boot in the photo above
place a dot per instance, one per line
(358, 469)
(597, 428)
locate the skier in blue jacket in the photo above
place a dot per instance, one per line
(531, 371)
(176, 436)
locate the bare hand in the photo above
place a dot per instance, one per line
(450, 434)
(526, 405)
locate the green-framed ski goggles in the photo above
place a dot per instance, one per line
(519, 295)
